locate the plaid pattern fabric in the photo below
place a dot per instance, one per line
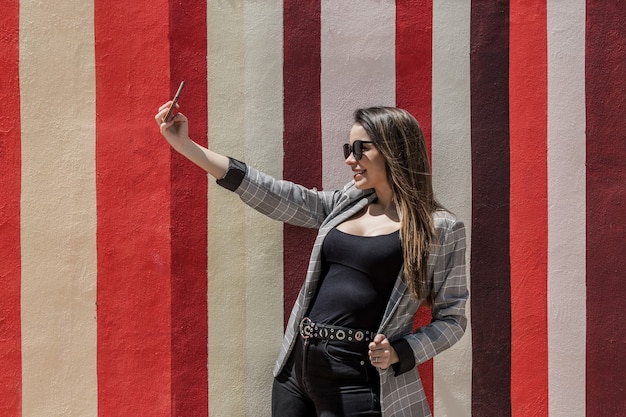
(401, 395)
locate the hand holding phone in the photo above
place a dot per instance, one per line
(170, 111)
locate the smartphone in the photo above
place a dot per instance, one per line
(170, 110)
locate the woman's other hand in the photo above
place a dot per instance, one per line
(176, 131)
(382, 355)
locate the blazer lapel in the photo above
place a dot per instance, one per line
(399, 290)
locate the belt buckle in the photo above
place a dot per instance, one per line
(306, 328)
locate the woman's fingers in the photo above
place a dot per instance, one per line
(159, 117)
(165, 105)
(380, 359)
(381, 353)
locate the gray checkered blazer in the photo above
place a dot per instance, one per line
(401, 395)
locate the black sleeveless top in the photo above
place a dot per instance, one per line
(358, 275)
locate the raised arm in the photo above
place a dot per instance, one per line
(176, 132)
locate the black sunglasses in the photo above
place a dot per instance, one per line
(356, 149)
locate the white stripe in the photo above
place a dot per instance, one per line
(566, 208)
(358, 70)
(452, 177)
(226, 225)
(264, 149)
(58, 209)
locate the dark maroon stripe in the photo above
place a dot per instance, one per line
(303, 128)
(491, 290)
(188, 46)
(605, 84)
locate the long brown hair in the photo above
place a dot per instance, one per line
(399, 138)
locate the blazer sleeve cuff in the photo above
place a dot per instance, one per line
(234, 176)
(405, 355)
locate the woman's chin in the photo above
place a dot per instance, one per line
(360, 185)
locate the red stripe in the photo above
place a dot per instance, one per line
(606, 202)
(133, 195)
(302, 119)
(10, 192)
(529, 217)
(188, 34)
(414, 60)
(414, 63)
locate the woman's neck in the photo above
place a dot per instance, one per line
(385, 204)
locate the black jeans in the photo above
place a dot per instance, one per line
(327, 378)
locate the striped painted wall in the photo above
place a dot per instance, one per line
(132, 286)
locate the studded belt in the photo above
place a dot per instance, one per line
(308, 329)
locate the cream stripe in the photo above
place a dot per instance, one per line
(452, 177)
(566, 208)
(226, 224)
(263, 149)
(358, 70)
(58, 229)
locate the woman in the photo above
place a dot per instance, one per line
(384, 247)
